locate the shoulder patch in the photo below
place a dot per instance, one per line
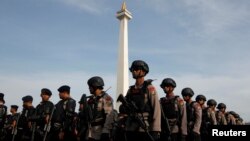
(108, 98)
(180, 101)
(151, 90)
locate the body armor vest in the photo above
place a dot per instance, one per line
(205, 117)
(140, 97)
(170, 107)
(190, 112)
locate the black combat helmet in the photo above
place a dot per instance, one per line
(221, 105)
(168, 82)
(211, 102)
(187, 92)
(200, 97)
(96, 81)
(234, 114)
(139, 64)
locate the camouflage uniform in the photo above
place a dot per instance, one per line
(102, 107)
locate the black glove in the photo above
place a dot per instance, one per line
(105, 137)
(155, 135)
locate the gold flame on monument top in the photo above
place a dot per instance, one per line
(124, 7)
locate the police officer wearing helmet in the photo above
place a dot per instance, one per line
(144, 95)
(194, 113)
(43, 113)
(101, 105)
(211, 103)
(201, 99)
(173, 110)
(238, 119)
(64, 115)
(221, 114)
(231, 120)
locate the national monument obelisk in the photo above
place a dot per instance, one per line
(122, 71)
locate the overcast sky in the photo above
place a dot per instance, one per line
(202, 44)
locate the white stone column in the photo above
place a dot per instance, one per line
(123, 69)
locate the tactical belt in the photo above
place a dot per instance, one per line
(97, 123)
(57, 125)
(172, 122)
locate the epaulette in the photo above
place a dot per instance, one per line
(149, 81)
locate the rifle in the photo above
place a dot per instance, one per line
(132, 109)
(33, 131)
(48, 125)
(166, 123)
(14, 130)
(89, 115)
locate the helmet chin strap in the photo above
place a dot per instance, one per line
(140, 75)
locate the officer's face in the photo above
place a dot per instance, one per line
(201, 102)
(12, 110)
(62, 95)
(45, 97)
(186, 97)
(168, 89)
(91, 90)
(137, 73)
(223, 109)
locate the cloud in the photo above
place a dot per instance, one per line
(91, 6)
(205, 17)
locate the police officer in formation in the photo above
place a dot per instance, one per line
(3, 114)
(174, 118)
(194, 113)
(25, 125)
(221, 114)
(145, 98)
(44, 111)
(11, 123)
(101, 106)
(201, 100)
(141, 116)
(64, 116)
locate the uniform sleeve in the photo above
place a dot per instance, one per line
(198, 115)
(224, 120)
(108, 108)
(70, 110)
(213, 117)
(183, 112)
(156, 118)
